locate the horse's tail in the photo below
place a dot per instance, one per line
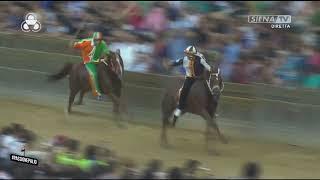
(62, 73)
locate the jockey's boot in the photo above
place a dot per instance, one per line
(99, 97)
(177, 113)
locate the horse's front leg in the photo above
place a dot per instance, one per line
(214, 125)
(72, 95)
(80, 101)
(116, 110)
(208, 134)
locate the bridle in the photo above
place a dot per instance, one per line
(103, 60)
(214, 86)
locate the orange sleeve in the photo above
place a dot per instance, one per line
(80, 44)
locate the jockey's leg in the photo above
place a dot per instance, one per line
(183, 96)
(91, 67)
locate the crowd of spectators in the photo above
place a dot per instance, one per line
(149, 33)
(62, 157)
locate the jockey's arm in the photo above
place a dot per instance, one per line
(78, 45)
(105, 52)
(205, 64)
(177, 62)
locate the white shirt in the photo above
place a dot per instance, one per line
(190, 67)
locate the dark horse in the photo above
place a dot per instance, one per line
(202, 100)
(110, 74)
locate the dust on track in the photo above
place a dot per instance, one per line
(141, 143)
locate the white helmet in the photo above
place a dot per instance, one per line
(191, 50)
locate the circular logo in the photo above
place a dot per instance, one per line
(31, 23)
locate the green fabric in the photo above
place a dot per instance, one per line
(262, 6)
(65, 159)
(69, 160)
(99, 50)
(145, 5)
(200, 6)
(312, 81)
(84, 164)
(315, 18)
(92, 69)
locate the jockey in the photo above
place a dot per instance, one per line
(193, 62)
(92, 50)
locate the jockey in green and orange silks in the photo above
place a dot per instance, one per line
(92, 50)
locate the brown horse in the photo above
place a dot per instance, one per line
(110, 75)
(202, 100)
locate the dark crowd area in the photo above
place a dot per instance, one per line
(150, 33)
(61, 157)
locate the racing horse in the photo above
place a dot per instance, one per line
(202, 100)
(110, 78)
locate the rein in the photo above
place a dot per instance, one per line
(209, 81)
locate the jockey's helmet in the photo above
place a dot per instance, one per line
(97, 36)
(191, 50)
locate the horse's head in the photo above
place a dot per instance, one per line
(111, 68)
(115, 63)
(214, 81)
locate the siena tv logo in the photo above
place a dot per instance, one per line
(276, 21)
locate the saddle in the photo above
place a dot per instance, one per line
(179, 90)
(207, 84)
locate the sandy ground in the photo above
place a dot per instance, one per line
(40, 107)
(141, 143)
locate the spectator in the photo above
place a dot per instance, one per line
(251, 170)
(110, 171)
(230, 56)
(153, 167)
(254, 67)
(159, 54)
(291, 70)
(312, 79)
(239, 72)
(156, 20)
(134, 16)
(130, 171)
(185, 23)
(175, 173)
(15, 17)
(267, 73)
(190, 169)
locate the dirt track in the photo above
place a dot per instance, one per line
(40, 106)
(141, 143)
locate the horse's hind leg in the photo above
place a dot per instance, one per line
(80, 102)
(165, 122)
(167, 106)
(208, 134)
(116, 110)
(72, 95)
(214, 124)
